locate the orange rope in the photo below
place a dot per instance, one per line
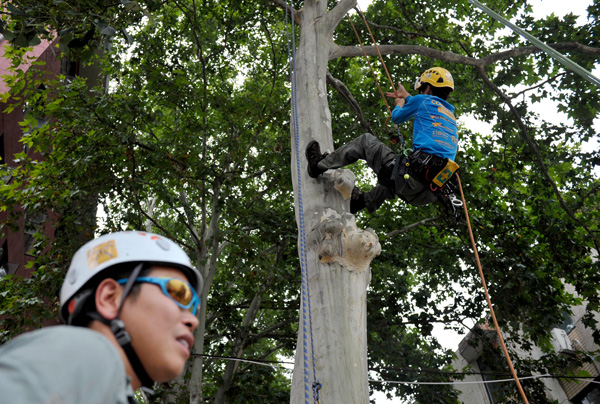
(376, 47)
(487, 296)
(370, 67)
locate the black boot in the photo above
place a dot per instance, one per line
(357, 200)
(313, 156)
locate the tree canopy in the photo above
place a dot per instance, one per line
(191, 139)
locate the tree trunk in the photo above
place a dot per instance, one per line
(333, 314)
(206, 261)
(238, 349)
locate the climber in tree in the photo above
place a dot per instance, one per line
(417, 176)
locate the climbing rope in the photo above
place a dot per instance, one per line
(487, 295)
(376, 47)
(373, 71)
(370, 66)
(306, 308)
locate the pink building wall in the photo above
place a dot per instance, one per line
(14, 252)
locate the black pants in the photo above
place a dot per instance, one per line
(380, 158)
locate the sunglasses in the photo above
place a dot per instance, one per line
(181, 292)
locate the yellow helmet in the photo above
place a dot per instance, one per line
(437, 77)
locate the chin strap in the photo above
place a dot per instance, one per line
(118, 329)
(123, 338)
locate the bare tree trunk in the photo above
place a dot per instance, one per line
(208, 252)
(238, 349)
(338, 254)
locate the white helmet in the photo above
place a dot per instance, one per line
(123, 247)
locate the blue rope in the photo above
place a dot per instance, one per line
(316, 386)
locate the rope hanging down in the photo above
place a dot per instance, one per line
(306, 309)
(373, 71)
(540, 45)
(487, 296)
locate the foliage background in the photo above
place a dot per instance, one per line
(191, 139)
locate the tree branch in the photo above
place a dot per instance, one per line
(411, 226)
(535, 150)
(337, 13)
(345, 93)
(528, 50)
(539, 85)
(283, 5)
(412, 35)
(338, 51)
(451, 57)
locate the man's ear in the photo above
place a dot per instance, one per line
(108, 298)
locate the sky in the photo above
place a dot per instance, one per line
(541, 8)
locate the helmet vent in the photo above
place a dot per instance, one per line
(72, 277)
(163, 244)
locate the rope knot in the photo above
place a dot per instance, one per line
(316, 387)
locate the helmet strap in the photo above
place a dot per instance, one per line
(417, 83)
(117, 326)
(124, 339)
(77, 304)
(130, 282)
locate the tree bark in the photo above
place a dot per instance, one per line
(336, 267)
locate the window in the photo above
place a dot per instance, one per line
(2, 158)
(41, 121)
(493, 390)
(492, 365)
(32, 226)
(4, 259)
(567, 323)
(69, 69)
(590, 395)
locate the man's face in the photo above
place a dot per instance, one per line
(161, 331)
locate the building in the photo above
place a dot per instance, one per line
(570, 336)
(15, 246)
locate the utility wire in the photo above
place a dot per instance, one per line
(265, 362)
(586, 74)
(277, 364)
(481, 381)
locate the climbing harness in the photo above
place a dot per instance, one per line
(428, 169)
(306, 308)
(487, 296)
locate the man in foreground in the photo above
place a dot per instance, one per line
(129, 303)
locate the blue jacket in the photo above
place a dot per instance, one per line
(435, 129)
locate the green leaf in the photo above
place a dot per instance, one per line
(14, 10)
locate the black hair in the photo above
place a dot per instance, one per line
(441, 92)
